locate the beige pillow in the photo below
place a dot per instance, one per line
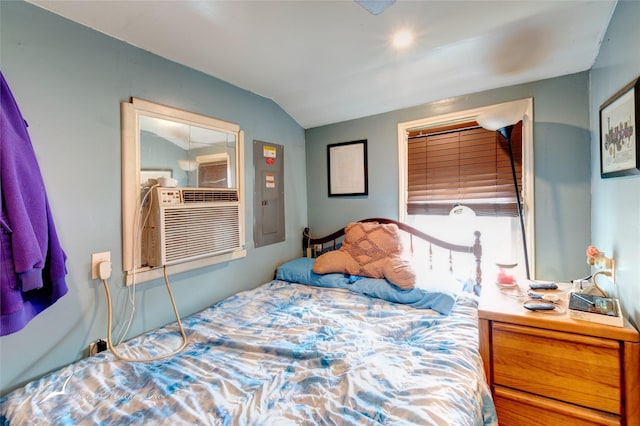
(369, 250)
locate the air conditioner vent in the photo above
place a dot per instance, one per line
(191, 233)
(201, 195)
(195, 224)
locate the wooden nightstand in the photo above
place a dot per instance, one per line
(549, 369)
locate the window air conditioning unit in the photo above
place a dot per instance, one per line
(185, 224)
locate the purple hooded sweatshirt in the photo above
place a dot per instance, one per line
(32, 263)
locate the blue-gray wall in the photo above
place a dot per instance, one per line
(615, 209)
(69, 81)
(561, 155)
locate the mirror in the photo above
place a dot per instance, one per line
(165, 146)
(194, 156)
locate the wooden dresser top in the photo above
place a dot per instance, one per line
(506, 304)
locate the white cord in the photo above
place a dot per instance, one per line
(138, 226)
(521, 296)
(175, 311)
(518, 294)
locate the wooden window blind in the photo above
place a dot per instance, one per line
(213, 174)
(467, 165)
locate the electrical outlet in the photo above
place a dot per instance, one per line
(96, 259)
(97, 346)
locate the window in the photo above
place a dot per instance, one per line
(449, 160)
(213, 171)
(463, 164)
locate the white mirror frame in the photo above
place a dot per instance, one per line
(130, 132)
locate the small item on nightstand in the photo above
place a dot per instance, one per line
(543, 286)
(504, 278)
(603, 310)
(539, 306)
(583, 285)
(548, 297)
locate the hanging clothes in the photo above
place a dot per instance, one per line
(32, 262)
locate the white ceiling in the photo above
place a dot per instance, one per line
(330, 61)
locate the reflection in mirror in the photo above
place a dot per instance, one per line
(168, 147)
(193, 155)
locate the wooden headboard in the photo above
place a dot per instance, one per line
(331, 242)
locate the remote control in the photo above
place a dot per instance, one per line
(549, 297)
(543, 286)
(537, 306)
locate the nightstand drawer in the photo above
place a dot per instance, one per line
(519, 408)
(568, 367)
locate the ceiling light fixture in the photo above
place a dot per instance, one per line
(402, 39)
(375, 7)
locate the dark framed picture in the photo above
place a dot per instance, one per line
(347, 168)
(619, 120)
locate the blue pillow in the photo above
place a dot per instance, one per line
(439, 301)
(300, 271)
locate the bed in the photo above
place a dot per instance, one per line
(286, 353)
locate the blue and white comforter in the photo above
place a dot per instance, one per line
(282, 354)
